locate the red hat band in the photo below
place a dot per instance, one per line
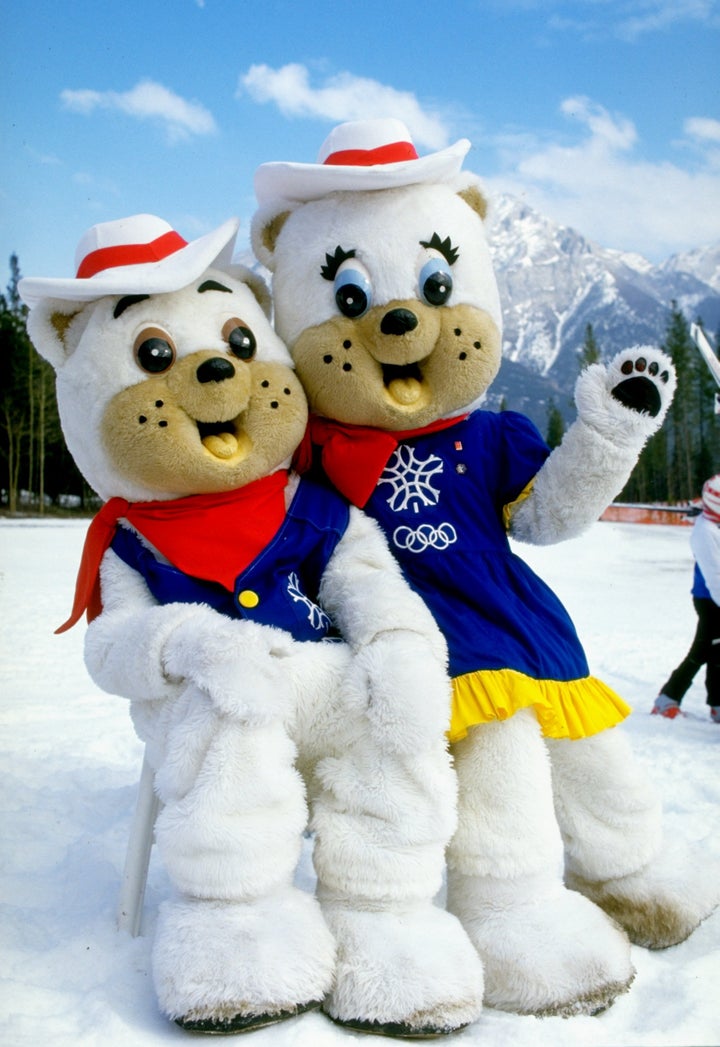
(130, 254)
(392, 153)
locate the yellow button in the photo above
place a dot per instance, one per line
(247, 598)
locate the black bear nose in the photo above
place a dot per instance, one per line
(398, 321)
(216, 369)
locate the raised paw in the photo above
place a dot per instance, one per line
(646, 382)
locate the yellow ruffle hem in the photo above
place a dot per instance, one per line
(565, 709)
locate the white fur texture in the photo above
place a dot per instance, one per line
(213, 960)
(615, 852)
(545, 949)
(411, 965)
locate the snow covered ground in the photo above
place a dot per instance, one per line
(70, 764)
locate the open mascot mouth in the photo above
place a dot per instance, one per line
(403, 383)
(225, 440)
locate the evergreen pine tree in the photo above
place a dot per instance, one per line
(555, 426)
(589, 352)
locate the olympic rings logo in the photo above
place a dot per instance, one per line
(425, 537)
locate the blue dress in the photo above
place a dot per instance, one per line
(441, 501)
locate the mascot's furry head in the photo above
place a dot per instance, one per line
(399, 322)
(170, 379)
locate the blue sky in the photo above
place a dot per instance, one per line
(603, 114)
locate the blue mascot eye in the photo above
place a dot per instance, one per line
(353, 293)
(436, 283)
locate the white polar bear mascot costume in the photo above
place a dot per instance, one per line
(385, 294)
(224, 581)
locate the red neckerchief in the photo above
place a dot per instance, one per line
(354, 456)
(209, 536)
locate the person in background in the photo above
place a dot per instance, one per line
(705, 648)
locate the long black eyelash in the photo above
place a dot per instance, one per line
(334, 261)
(446, 249)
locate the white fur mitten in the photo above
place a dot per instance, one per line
(240, 665)
(619, 407)
(406, 688)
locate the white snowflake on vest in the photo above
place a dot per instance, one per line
(316, 616)
(411, 480)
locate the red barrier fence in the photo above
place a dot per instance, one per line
(621, 512)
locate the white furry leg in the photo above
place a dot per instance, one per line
(610, 818)
(404, 966)
(545, 949)
(241, 947)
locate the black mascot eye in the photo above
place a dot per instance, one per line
(353, 294)
(154, 350)
(240, 339)
(436, 283)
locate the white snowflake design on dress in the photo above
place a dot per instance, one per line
(316, 616)
(410, 479)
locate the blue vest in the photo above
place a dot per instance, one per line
(280, 587)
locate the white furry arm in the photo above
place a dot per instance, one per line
(619, 407)
(399, 665)
(124, 645)
(145, 651)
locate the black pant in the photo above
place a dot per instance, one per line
(705, 650)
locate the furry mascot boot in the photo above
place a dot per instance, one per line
(384, 292)
(280, 669)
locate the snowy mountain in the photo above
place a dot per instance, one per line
(554, 282)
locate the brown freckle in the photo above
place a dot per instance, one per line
(327, 359)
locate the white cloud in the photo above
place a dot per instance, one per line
(342, 97)
(601, 187)
(649, 16)
(148, 100)
(703, 128)
(626, 20)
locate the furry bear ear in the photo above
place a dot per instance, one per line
(55, 328)
(265, 229)
(473, 196)
(259, 289)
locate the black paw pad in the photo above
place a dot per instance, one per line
(639, 391)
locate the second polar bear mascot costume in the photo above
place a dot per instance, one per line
(384, 292)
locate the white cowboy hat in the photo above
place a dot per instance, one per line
(141, 254)
(359, 155)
